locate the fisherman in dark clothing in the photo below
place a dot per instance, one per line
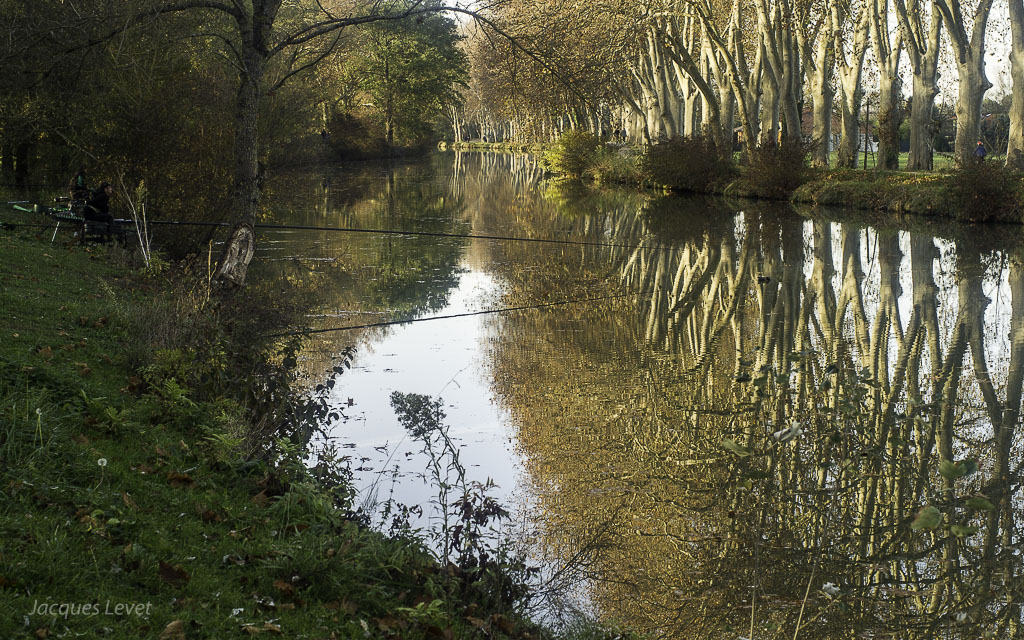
(98, 209)
(77, 187)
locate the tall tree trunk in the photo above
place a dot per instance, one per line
(22, 152)
(789, 99)
(922, 127)
(769, 117)
(969, 54)
(923, 51)
(850, 65)
(890, 110)
(1015, 148)
(254, 30)
(972, 86)
(849, 123)
(890, 117)
(820, 64)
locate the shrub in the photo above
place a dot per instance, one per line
(984, 192)
(689, 164)
(776, 170)
(572, 154)
(620, 165)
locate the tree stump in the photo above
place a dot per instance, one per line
(234, 259)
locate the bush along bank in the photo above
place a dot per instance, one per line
(156, 477)
(978, 192)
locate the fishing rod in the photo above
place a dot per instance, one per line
(304, 332)
(404, 232)
(65, 214)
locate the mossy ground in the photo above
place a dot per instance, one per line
(119, 486)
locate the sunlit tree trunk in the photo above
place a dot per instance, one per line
(820, 63)
(969, 54)
(1015, 148)
(890, 110)
(923, 50)
(769, 117)
(849, 63)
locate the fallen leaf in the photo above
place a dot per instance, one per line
(208, 515)
(284, 587)
(173, 631)
(172, 574)
(252, 629)
(181, 480)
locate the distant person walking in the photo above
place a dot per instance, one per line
(979, 151)
(77, 188)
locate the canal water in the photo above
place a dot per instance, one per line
(723, 418)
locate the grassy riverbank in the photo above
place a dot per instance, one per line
(985, 192)
(146, 490)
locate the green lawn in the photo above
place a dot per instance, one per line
(126, 511)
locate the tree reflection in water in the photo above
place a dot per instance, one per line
(894, 512)
(795, 428)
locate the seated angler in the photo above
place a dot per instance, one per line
(98, 208)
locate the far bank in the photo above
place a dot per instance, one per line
(984, 191)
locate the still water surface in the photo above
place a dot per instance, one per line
(757, 424)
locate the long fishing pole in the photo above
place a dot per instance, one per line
(404, 232)
(396, 232)
(302, 332)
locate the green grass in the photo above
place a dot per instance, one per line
(119, 485)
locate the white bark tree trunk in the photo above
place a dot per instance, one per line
(969, 53)
(819, 56)
(890, 110)
(1015, 148)
(849, 67)
(923, 51)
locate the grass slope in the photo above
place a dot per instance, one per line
(125, 513)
